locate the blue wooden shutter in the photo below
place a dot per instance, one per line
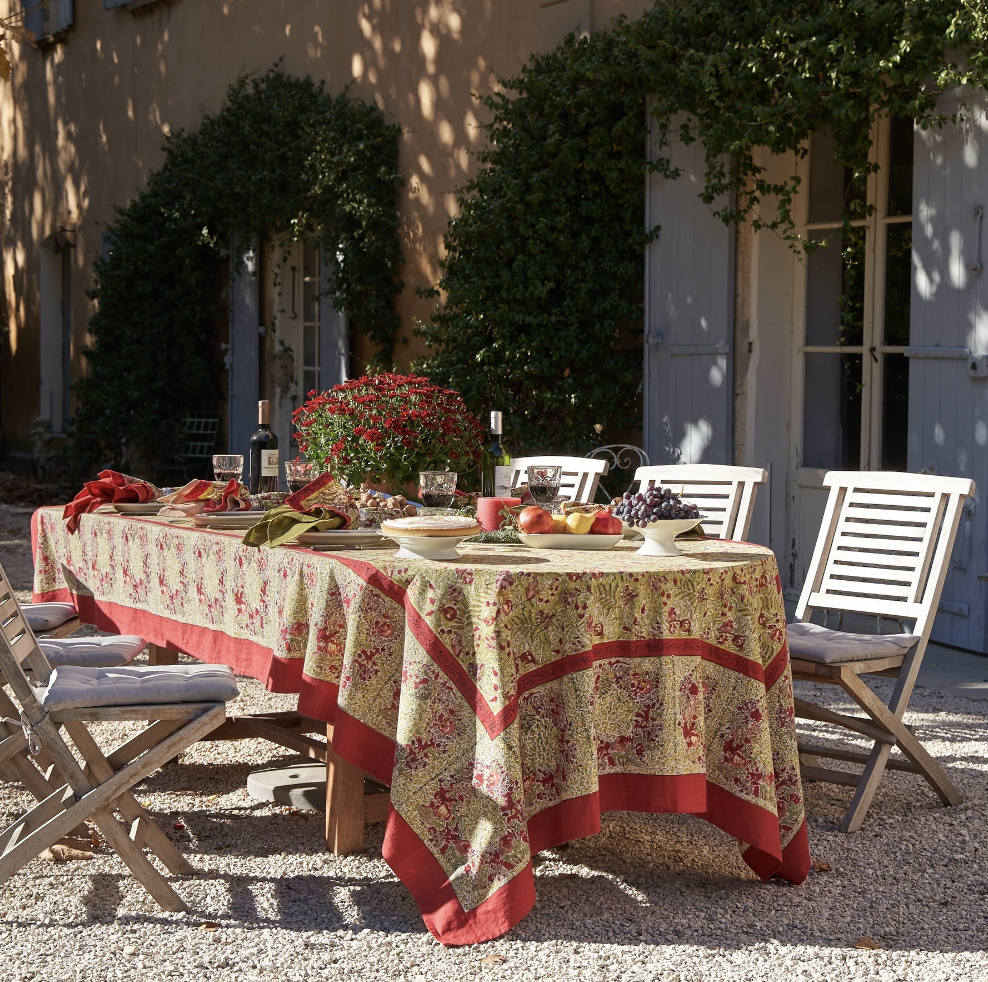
(689, 316)
(334, 342)
(243, 356)
(948, 406)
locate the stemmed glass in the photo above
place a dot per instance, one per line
(543, 483)
(437, 489)
(228, 467)
(299, 472)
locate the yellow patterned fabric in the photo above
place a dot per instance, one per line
(506, 699)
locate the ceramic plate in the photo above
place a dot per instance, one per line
(341, 538)
(138, 507)
(227, 519)
(569, 541)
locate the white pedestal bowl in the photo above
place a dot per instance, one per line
(660, 536)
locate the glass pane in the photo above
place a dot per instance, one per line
(310, 381)
(310, 346)
(832, 411)
(898, 281)
(310, 283)
(830, 183)
(900, 200)
(835, 290)
(895, 412)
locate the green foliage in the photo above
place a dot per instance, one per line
(281, 157)
(543, 266)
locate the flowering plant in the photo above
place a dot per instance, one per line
(386, 428)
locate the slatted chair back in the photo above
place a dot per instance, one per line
(884, 545)
(18, 634)
(580, 476)
(725, 495)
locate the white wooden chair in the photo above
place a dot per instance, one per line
(883, 549)
(725, 495)
(580, 478)
(181, 703)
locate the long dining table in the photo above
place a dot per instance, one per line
(504, 700)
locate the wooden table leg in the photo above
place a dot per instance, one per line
(160, 655)
(344, 803)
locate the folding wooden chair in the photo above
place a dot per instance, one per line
(580, 476)
(883, 549)
(725, 495)
(52, 620)
(181, 703)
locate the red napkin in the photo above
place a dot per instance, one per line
(232, 498)
(111, 487)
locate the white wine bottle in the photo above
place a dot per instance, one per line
(495, 466)
(263, 453)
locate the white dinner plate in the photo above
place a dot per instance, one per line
(340, 538)
(569, 541)
(227, 519)
(138, 507)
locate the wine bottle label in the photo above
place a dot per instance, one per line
(269, 463)
(502, 482)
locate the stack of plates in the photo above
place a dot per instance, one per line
(227, 519)
(341, 539)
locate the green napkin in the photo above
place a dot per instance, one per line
(283, 524)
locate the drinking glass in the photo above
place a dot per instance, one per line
(543, 483)
(299, 472)
(228, 467)
(437, 489)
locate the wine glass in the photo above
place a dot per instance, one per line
(543, 483)
(437, 489)
(228, 467)
(299, 472)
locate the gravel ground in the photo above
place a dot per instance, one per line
(650, 897)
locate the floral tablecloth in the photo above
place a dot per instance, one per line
(507, 699)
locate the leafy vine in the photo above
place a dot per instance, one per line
(281, 157)
(543, 266)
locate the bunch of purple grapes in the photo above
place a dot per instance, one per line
(652, 505)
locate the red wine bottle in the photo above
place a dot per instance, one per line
(263, 453)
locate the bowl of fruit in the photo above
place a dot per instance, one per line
(660, 515)
(580, 526)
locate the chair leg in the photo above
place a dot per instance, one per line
(867, 786)
(144, 830)
(907, 743)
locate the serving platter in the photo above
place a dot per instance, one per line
(227, 519)
(341, 538)
(428, 546)
(137, 507)
(569, 541)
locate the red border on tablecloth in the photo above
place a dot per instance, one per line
(576, 818)
(244, 656)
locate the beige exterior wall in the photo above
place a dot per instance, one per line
(82, 121)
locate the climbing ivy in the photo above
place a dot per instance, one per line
(543, 266)
(281, 157)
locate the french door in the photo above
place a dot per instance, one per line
(851, 323)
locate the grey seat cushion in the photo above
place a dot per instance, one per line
(74, 687)
(47, 616)
(113, 651)
(812, 642)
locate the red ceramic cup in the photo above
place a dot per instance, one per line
(489, 511)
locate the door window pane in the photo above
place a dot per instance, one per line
(832, 411)
(830, 183)
(898, 281)
(835, 290)
(895, 411)
(900, 200)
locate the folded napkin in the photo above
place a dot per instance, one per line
(111, 487)
(322, 505)
(199, 496)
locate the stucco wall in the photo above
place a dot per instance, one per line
(82, 120)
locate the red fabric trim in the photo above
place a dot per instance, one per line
(577, 818)
(317, 698)
(777, 666)
(363, 746)
(244, 656)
